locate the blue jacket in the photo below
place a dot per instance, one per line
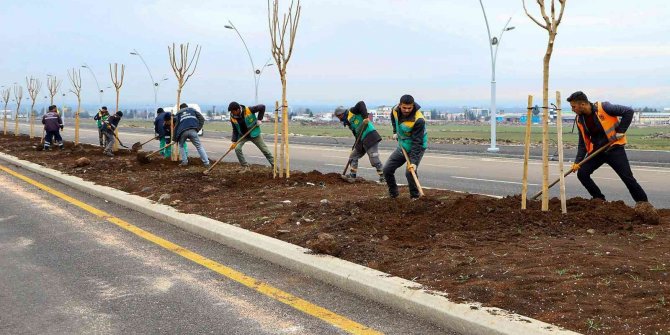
(159, 123)
(188, 118)
(52, 121)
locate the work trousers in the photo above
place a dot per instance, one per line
(396, 160)
(260, 144)
(616, 158)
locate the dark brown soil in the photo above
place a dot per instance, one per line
(600, 269)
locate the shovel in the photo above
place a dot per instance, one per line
(603, 148)
(41, 146)
(143, 157)
(116, 137)
(137, 146)
(416, 180)
(206, 172)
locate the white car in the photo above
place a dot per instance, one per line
(174, 110)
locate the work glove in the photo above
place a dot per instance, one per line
(233, 145)
(259, 122)
(619, 135)
(575, 167)
(411, 167)
(395, 137)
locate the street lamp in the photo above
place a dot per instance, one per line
(154, 83)
(256, 72)
(96, 80)
(494, 43)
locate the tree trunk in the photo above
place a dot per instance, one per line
(32, 120)
(4, 125)
(76, 122)
(545, 124)
(16, 122)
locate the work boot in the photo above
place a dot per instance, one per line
(244, 169)
(62, 146)
(108, 153)
(101, 144)
(382, 180)
(46, 148)
(352, 175)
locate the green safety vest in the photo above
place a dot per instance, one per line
(250, 120)
(355, 121)
(102, 119)
(404, 130)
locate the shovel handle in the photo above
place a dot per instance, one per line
(229, 150)
(588, 158)
(416, 179)
(353, 147)
(159, 150)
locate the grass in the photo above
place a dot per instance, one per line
(638, 137)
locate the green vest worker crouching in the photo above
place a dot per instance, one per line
(599, 125)
(356, 118)
(409, 128)
(242, 119)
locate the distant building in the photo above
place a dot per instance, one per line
(654, 118)
(381, 113)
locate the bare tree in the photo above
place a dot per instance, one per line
(117, 84)
(53, 84)
(183, 70)
(18, 95)
(34, 85)
(551, 26)
(282, 49)
(5, 97)
(75, 80)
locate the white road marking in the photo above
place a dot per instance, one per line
(492, 180)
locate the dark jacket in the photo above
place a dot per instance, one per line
(52, 121)
(111, 123)
(597, 135)
(188, 118)
(259, 110)
(418, 132)
(372, 137)
(159, 124)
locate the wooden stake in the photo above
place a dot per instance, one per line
(18, 95)
(287, 155)
(559, 131)
(526, 152)
(274, 168)
(5, 97)
(117, 84)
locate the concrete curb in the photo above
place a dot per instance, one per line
(392, 291)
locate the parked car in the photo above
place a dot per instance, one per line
(174, 110)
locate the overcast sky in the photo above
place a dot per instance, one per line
(346, 50)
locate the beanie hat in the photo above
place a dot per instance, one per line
(233, 106)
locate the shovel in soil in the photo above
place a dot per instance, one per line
(137, 146)
(603, 148)
(416, 180)
(206, 172)
(41, 146)
(143, 157)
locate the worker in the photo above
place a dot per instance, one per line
(243, 119)
(188, 123)
(367, 137)
(409, 129)
(599, 124)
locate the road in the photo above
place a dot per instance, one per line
(71, 269)
(466, 172)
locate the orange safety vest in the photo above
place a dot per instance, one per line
(609, 124)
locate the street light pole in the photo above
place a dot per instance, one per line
(154, 83)
(494, 43)
(96, 81)
(256, 72)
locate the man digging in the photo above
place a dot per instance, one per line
(52, 125)
(108, 126)
(101, 117)
(367, 137)
(189, 122)
(243, 119)
(599, 125)
(409, 128)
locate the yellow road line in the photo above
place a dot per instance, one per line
(268, 290)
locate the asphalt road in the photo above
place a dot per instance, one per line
(440, 168)
(67, 271)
